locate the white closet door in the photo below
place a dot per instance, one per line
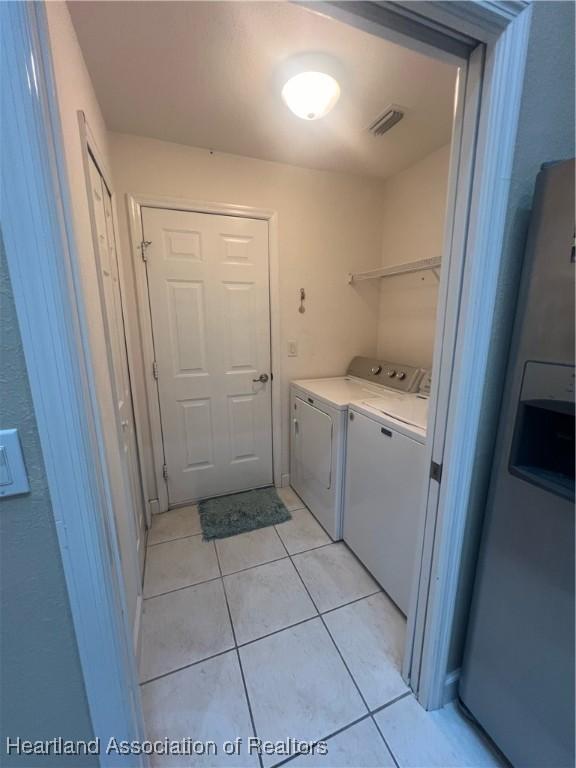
(210, 305)
(108, 265)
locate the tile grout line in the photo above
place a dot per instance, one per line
(301, 579)
(367, 716)
(179, 589)
(392, 755)
(312, 549)
(316, 520)
(379, 709)
(176, 538)
(276, 631)
(187, 666)
(253, 567)
(263, 637)
(334, 643)
(325, 738)
(370, 713)
(351, 602)
(199, 533)
(221, 653)
(241, 570)
(256, 639)
(250, 712)
(251, 642)
(345, 664)
(303, 621)
(214, 578)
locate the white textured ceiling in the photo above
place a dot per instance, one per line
(207, 74)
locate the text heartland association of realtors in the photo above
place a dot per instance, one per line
(185, 746)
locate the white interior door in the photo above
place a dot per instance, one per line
(208, 284)
(108, 266)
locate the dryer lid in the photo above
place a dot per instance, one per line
(410, 410)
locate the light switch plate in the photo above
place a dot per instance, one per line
(13, 477)
(292, 349)
(5, 474)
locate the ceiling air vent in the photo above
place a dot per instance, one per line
(388, 119)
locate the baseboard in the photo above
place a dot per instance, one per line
(285, 481)
(153, 506)
(451, 685)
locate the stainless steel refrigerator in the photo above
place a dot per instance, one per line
(518, 671)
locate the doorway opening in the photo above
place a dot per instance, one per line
(453, 199)
(361, 273)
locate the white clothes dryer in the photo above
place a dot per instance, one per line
(319, 415)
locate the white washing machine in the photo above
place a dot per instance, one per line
(384, 482)
(319, 416)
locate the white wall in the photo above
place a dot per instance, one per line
(328, 225)
(42, 687)
(414, 205)
(75, 92)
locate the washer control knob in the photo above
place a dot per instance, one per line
(390, 373)
(375, 370)
(401, 375)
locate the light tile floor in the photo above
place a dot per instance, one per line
(278, 634)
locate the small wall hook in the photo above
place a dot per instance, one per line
(302, 308)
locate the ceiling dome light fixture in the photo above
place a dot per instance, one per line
(311, 95)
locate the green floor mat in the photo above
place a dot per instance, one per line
(241, 512)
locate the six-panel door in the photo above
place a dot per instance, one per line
(210, 306)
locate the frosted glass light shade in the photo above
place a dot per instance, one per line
(311, 95)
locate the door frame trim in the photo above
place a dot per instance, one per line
(135, 202)
(49, 306)
(491, 158)
(43, 262)
(480, 176)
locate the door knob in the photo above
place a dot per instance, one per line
(263, 378)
